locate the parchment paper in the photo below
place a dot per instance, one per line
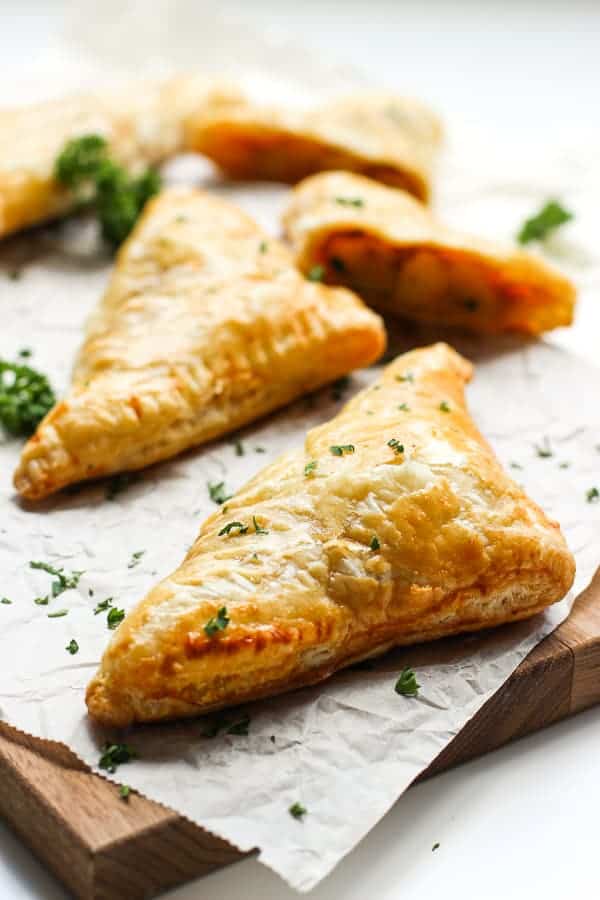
(346, 749)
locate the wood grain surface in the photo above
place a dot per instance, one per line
(105, 849)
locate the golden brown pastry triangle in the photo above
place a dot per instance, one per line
(393, 524)
(205, 326)
(390, 138)
(143, 123)
(395, 253)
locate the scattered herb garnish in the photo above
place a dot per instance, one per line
(407, 683)
(5, 601)
(217, 492)
(217, 623)
(435, 846)
(350, 201)
(25, 398)
(124, 792)
(564, 465)
(404, 407)
(538, 227)
(260, 449)
(135, 558)
(341, 449)
(593, 495)
(310, 468)
(41, 601)
(338, 264)
(297, 810)
(115, 617)
(58, 614)
(407, 376)
(316, 273)
(72, 647)
(515, 465)
(544, 450)
(396, 446)
(118, 483)
(103, 605)
(25, 353)
(263, 247)
(239, 447)
(339, 387)
(238, 526)
(375, 545)
(257, 528)
(63, 582)
(86, 168)
(444, 406)
(113, 755)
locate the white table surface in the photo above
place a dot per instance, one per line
(523, 821)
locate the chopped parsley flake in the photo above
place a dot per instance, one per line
(316, 273)
(260, 449)
(115, 617)
(350, 201)
(375, 545)
(25, 398)
(396, 446)
(114, 755)
(310, 468)
(103, 605)
(63, 582)
(41, 601)
(538, 227)
(341, 449)
(544, 450)
(239, 447)
(72, 647)
(124, 792)
(257, 528)
(407, 376)
(297, 810)
(407, 683)
(217, 623)
(217, 492)
(135, 559)
(435, 846)
(404, 407)
(515, 465)
(444, 406)
(263, 247)
(58, 614)
(564, 465)
(239, 526)
(593, 495)
(5, 601)
(25, 353)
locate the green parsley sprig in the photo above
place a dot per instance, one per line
(86, 168)
(114, 755)
(407, 683)
(548, 219)
(25, 398)
(217, 623)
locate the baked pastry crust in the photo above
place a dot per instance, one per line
(143, 124)
(205, 326)
(458, 547)
(397, 255)
(389, 138)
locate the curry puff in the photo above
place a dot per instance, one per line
(142, 124)
(206, 325)
(389, 138)
(397, 255)
(393, 524)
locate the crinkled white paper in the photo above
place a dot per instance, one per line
(347, 749)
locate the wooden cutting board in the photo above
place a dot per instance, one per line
(103, 848)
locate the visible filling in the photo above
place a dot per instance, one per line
(431, 284)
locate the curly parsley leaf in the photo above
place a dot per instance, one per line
(297, 810)
(357, 202)
(25, 398)
(396, 446)
(115, 617)
(407, 683)
(217, 492)
(114, 755)
(217, 623)
(72, 647)
(341, 449)
(538, 227)
(64, 582)
(593, 495)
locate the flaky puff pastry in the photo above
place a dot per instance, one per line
(389, 138)
(143, 124)
(393, 524)
(397, 255)
(206, 325)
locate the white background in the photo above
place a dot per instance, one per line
(522, 822)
